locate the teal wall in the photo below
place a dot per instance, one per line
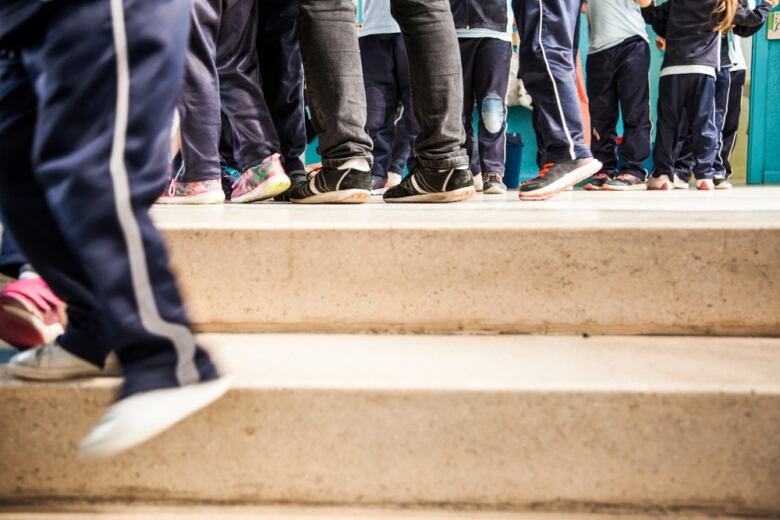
(763, 154)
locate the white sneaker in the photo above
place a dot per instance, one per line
(136, 419)
(722, 184)
(393, 179)
(705, 184)
(478, 183)
(51, 362)
(680, 184)
(662, 182)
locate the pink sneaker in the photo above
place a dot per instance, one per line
(198, 192)
(261, 182)
(30, 314)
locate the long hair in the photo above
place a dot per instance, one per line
(724, 12)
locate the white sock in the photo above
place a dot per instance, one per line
(28, 273)
(358, 163)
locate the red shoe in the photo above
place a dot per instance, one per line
(30, 314)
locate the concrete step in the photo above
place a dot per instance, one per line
(559, 423)
(603, 263)
(141, 512)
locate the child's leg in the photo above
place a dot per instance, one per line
(490, 73)
(731, 119)
(634, 92)
(406, 129)
(604, 109)
(683, 166)
(722, 94)
(11, 257)
(376, 53)
(281, 70)
(672, 98)
(547, 41)
(199, 105)
(241, 96)
(701, 121)
(468, 56)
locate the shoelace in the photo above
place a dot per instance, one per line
(175, 180)
(544, 171)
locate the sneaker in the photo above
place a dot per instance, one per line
(722, 183)
(261, 182)
(557, 177)
(136, 419)
(393, 180)
(596, 182)
(662, 182)
(705, 184)
(681, 184)
(479, 185)
(30, 313)
(378, 184)
(51, 362)
(334, 186)
(493, 184)
(429, 185)
(197, 192)
(625, 182)
(297, 178)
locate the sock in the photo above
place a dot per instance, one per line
(27, 272)
(358, 163)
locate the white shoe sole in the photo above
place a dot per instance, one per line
(458, 195)
(268, 189)
(578, 175)
(724, 186)
(138, 418)
(494, 191)
(633, 187)
(212, 197)
(355, 196)
(87, 370)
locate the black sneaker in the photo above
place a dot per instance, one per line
(428, 185)
(334, 186)
(557, 177)
(493, 184)
(722, 183)
(625, 182)
(597, 182)
(297, 177)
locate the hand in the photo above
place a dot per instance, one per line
(660, 43)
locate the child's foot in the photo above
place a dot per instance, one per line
(705, 184)
(261, 182)
(661, 182)
(378, 184)
(297, 178)
(681, 184)
(722, 183)
(557, 177)
(30, 313)
(197, 192)
(51, 362)
(136, 419)
(429, 185)
(597, 182)
(625, 182)
(393, 180)
(350, 184)
(493, 184)
(479, 185)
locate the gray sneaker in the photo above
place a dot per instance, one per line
(492, 184)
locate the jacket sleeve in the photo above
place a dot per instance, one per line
(748, 22)
(657, 17)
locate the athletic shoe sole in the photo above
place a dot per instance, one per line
(564, 183)
(591, 187)
(61, 374)
(494, 191)
(23, 329)
(138, 418)
(631, 187)
(724, 186)
(354, 196)
(214, 197)
(458, 195)
(268, 189)
(705, 186)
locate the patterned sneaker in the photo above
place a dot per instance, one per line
(479, 185)
(596, 182)
(557, 177)
(625, 182)
(334, 186)
(493, 184)
(705, 184)
(261, 182)
(722, 183)
(197, 192)
(681, 184)
(429, 185)
(297, 177)
(661, 182)
(30, 313)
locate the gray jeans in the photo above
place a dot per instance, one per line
(334, 79)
